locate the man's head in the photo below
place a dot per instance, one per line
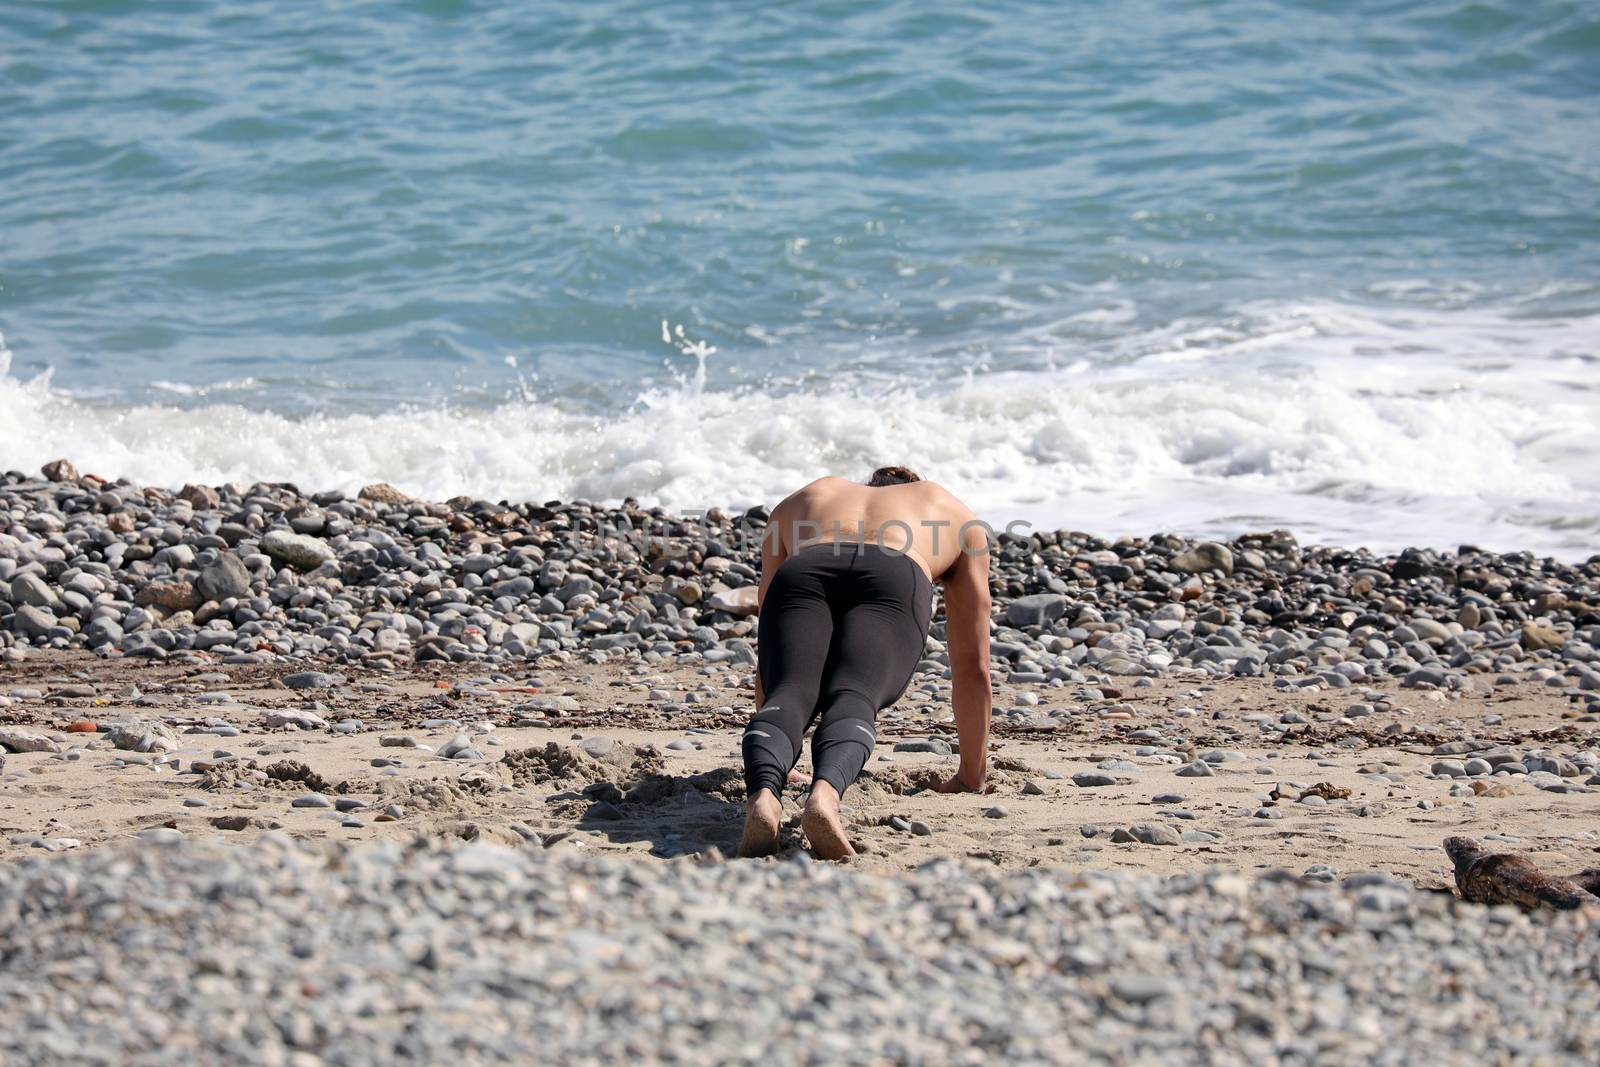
(893, 476)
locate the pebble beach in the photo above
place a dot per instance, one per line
(313, 778)
(395, 396)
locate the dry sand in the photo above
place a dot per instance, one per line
(665, 801)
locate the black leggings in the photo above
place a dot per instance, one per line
(841, 630)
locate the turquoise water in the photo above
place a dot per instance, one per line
(1134, 266)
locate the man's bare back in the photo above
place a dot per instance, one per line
(921, 519)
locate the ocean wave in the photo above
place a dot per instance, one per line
(1349, 424)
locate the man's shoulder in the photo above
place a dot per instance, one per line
(933, 491)
(814, 488)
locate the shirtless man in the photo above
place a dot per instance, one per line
(847, 573)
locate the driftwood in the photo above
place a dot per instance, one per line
(1484, 877)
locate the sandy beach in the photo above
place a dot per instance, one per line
(631, 771)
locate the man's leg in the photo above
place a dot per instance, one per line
(877, 647)
(792, 652)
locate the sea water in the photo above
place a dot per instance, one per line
(1166, 265)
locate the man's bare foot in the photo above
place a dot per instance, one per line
(821, 823)
(762, 813)
(799, 777)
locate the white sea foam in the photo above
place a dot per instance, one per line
(1345, 424)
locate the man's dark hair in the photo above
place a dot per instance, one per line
(893, 476)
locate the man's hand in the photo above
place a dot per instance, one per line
(956, 784)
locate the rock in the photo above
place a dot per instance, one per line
(311, 800)
(1090, 780)
(1424, 676)
(225, 578)
(1142, 988)
(104, 631)
(30, 621)
(1197, 769)
(1120, 664)
(996, 812)
(278, 718)
(160, 835)
(740, 602)
(1154, 834)
(1430, 631)
(1536, 638)
(174, 595)
(138, 735)
(60, 470)
(520, 586)
(300, 551)
(58, 844)
(459, 747)
(29, 588)
(16, 739)
(1206, 556)
(1549, 603)
(311, 680)
(383, 493)
(200, 497)
(1038, 609)
(598, 746)
(935, 745)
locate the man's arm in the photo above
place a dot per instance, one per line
(967, 608)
